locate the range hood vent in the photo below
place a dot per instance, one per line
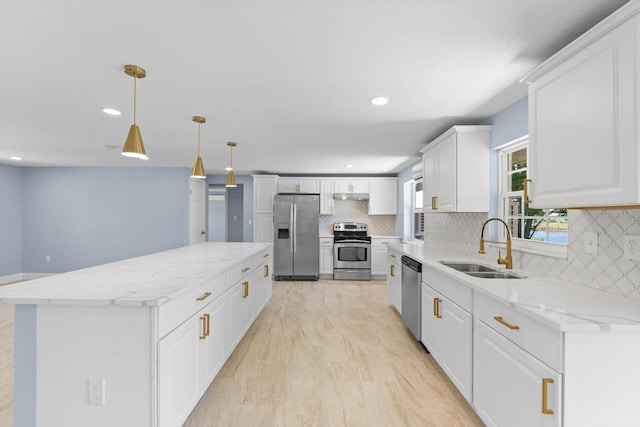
(351, 196)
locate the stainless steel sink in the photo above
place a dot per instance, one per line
(467, 267)
(479, 270)
(492, 275)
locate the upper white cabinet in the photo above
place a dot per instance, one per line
(299, 185)
(351, 185)
(326, 196)
(264, 188)
(456, 170)
(584, 110)
(383, 196)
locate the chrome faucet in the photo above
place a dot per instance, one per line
(508, 261)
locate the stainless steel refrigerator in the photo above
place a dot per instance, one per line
(296, 240)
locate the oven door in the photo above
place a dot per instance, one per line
(352, 254)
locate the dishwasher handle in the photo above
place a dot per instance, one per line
(412, 263)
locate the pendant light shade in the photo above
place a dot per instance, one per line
(133, 146)
(198, 168)
(231, 178)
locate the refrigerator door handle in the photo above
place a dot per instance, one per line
(295, 227)
(292, 228)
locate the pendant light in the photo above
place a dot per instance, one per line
(198, 168)
(231, 179)
(133, 147)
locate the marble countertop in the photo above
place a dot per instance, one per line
(147, 280)
(559, 304)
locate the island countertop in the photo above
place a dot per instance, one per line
(146, 280)
(559, 304)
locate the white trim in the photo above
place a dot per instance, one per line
(513, 142)
(12, 278)
(551, 250)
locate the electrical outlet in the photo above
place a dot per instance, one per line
(590, 239)
(632, 246)
(96, 392)
(47, 258)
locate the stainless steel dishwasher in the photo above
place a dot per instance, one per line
(411, 294)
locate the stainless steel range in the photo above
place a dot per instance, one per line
(351, 251)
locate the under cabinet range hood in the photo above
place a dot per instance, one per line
(351, 196)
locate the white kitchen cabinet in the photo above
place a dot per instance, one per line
(447, 329)
(264, 188)
(326, 196)
(351, 185)
(394, 279)
(299, 185)
(511, 387)
(326, 255)
(456, 170)
(191, 355)
(383, 196)
(263, 227)
(584, 110)
(379, 255)
(241, 303)
(180, 372)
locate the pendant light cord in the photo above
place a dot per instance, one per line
(134, 99)
(198, 139)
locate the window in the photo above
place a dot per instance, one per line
(527, 224)
(418, 214)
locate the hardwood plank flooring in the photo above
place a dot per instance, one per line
(331, 353)
(327, 353)
(6, 364)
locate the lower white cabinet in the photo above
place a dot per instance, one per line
(394, 279)
(263, 227)
(379, 254)
(191, 355)
(326, 255)
(447, 332)
(511, 387)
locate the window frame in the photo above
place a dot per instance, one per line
(555, 250)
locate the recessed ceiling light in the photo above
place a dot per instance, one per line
(349, 165)
(379, 100)
(16, 158)
(111, 111)
(228, 168)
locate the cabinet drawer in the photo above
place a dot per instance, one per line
(326, 241)
(247, 266)
(534, 337)
(176, 311)
(450, 288)
(394, 257)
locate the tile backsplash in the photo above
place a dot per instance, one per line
(607, 270)
(358, 211)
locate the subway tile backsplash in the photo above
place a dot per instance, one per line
(358, 211)
(607, 270)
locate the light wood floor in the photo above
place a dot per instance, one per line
(6, 365)
(331, 354)
(324, 354)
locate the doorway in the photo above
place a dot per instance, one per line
(225, 213)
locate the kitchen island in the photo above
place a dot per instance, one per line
(134, 342)
(530, 350)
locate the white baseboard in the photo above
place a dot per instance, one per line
(12, 278)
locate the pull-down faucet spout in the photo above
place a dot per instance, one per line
(508, 261)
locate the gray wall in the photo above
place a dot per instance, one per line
(88, 216)
(508, 125)
(247, 204)
(11, 212)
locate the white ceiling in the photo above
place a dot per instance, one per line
(289, 81)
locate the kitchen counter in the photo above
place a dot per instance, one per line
(559, 304)
(149, 280)
(153, 331)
